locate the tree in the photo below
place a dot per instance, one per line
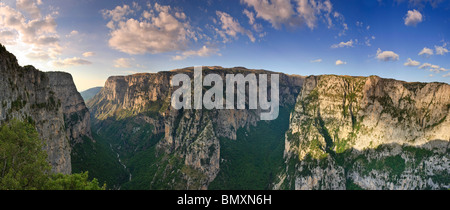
(24, 166)
(73, 182)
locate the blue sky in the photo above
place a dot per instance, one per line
(94, 39)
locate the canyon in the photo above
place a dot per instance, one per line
(333, 132)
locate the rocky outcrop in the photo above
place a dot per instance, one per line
(76, 114)
(192, 135)
(368, 132)
(44, 99)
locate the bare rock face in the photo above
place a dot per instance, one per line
(45, 100)
(76, 114)
(142, 100)
(368, 132)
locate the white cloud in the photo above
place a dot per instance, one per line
(203, 52)
(411, 62)
(88, 54)
(413, 17)
(425, 65)
(72, 33)
(156, 31)
(317, 61)
(368, 40)
(277, 12)
(251, 20)
(38, 55)
(387, 55)
(231, 27)
(339, 62)
(118, 13)
(441, 50)
(446, 75)
(426, 51)
(251, 16)
(75, 61)
(433, 68)
(343, 44)
(30, 7)
(8, 37)
(180, 15)
(292, 13)
(124, 62)
(339, 17)
(28, 27)
(307, 12)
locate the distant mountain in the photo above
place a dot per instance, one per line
(90, 93)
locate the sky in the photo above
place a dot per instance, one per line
(407, 40)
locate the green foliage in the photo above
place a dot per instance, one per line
(154, 107)
(24, 166)
(165, 105)
(437, 123)
(418, 153)
(320, 125)
(341, 145)
(414, 86)
(395, 164)
(51, 105)
(101, 162)
(401, 114)
(73, 182)
(18, 104)
(253, 160)
(135, 142)
(350, 185)
(126, 134)
(158, 172)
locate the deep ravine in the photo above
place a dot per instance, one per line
(120, 161)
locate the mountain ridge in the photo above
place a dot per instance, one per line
(337, 116)
(201, 165)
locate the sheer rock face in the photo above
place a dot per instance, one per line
(76, 114)
(367, 131)
(193, 135)
(45, 99)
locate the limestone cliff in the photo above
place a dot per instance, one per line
(368, 132)
(76, 114)
(141, 102)
(47, 100)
